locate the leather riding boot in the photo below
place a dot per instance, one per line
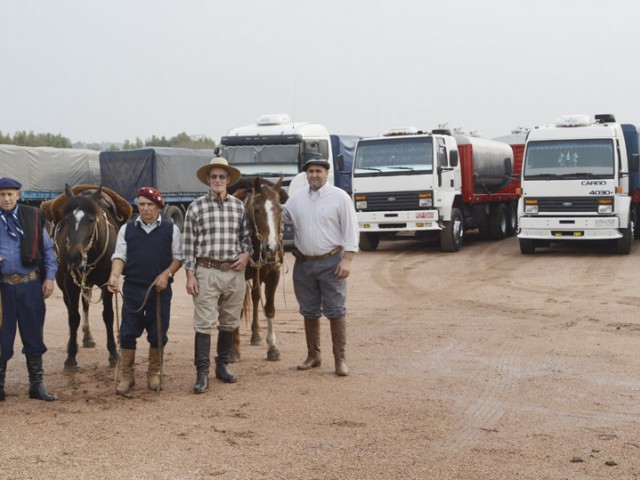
(339, 338)
(225, 343)
(153, 372)
(36, 374)
(312, 334)
(3, 373)
(127, 379)
(201, 361)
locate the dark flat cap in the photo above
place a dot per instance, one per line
(316, 160)
(9, 183)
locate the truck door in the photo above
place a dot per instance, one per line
(445, 172)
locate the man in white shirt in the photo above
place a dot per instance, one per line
(326, 238)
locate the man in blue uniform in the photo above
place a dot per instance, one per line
(27, 273)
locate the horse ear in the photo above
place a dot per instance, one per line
(257, 185)
(97, 195)
(67, 191)
(278, 184)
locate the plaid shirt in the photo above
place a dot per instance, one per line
(214, 229)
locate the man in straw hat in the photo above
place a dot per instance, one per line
(216, 249)
(148, 251)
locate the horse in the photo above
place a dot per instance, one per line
(85, 238)
(263, 201)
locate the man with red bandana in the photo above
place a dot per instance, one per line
(148, 251)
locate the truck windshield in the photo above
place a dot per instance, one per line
(264, 160)
(394, 156)
(565, 159)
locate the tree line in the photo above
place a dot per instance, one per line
(181, 140)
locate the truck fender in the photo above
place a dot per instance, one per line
(623, 208)
(450, 201)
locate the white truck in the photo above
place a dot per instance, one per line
(418, 184)
(580, 181)
(275, 147)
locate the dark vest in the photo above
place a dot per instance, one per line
(32, 221)
(148, 254)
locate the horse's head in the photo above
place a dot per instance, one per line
(264, 209)
(80, 220)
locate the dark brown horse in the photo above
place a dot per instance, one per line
(263, 201)
(85, 238)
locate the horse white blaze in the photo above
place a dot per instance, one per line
(78, 215)
(271, 220)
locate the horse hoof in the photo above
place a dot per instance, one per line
(70, 367)
(234, 357)
(113, 361)
(256, 339)
(273, 355)
(88, 343)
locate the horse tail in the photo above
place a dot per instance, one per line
(246, 305)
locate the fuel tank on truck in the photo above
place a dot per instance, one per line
(492, 162)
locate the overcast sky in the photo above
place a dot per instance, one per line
(112, 70)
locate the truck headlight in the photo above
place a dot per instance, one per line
(605, 208)
(531, 209)
(361, 204)
(425, 202)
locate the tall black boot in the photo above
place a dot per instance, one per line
(36, 388)
(3, 372)
(201, 361)
(225, 343)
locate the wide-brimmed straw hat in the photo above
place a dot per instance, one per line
(203, 172)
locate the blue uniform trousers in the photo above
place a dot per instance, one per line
(134, 323)
(23, 308)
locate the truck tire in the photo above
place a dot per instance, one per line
(451, 234)
(527, 246)
(623, 245)
(174, 213)
(634, 215)
(369, 241)
(498, 221)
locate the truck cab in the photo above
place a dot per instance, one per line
(576, 184)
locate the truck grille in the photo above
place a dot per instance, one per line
(381, 202)
(568, 205)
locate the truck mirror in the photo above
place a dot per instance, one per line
(216, 152)
(340, 162)
(453, 158)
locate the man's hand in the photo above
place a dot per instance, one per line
(47, 288)
(241, 262)
(192, 284)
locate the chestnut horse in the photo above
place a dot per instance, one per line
(85, 238)
(263, 201)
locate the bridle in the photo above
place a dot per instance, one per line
(263, 260)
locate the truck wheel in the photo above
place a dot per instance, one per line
(527, 246)
(173, 213)
(498, 221)
(512, 219)
(369, 241)
(634, 215)
(623, 245)
(451, 234)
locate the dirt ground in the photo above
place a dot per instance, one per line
(481, 364)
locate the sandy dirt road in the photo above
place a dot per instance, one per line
(483, 364)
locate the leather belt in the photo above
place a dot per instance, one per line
(222, 265)
(17, 278)
(323, 256)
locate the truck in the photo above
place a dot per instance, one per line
(44, 171)
(413, 183)
(170, 170)
(581, 182)
(275, 146)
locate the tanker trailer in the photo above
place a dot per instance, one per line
(413, 184)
